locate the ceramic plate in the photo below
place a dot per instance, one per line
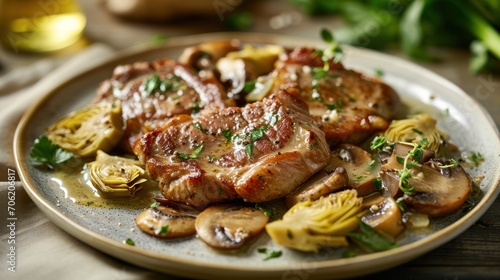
(105, 228)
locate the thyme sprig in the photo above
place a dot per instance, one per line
(408, 162)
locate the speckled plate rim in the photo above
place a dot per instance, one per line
(338, 268)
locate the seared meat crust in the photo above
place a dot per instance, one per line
(348, 105)
(259, 152)
(144, 110)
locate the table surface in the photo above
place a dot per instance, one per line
(475, 254)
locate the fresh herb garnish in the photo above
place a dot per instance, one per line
(199, 127)
(196, 108)
(227, 134)
(372, 163)
(377, 183)
(155, 84)
(163, 230)
(154, 204)
(271, 213)
(255, 135)
(45, 152)
(194, 155)
(369, 239)
(476, 158)
(453, 163)
(410, 160)
(378, 72)
(269, 254)
(377, 143)
(332, 53)
(249, 86)
(129, 242)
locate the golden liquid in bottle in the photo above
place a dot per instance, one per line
(40, 25)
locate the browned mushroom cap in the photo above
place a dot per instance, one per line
(213, 51)
(385, 217)
(165, 222)
(321, 184)
(437, 191)
(401, 149)
(359, 166)
(229, 226)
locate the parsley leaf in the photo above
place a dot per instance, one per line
(194, 155)
(269, 254)
(45, 152)
(369, 239)
(129, 242)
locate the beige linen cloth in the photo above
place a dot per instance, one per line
(43, 251)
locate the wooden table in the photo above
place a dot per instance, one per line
(475, 254)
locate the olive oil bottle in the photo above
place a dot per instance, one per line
(40, 25)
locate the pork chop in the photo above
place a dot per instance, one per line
(153, 92)
(348, 105)
(259, 152)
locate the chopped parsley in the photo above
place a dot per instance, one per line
(249, 86)
(194, 155)
(476, 158)
(163, 230)
(227, 134)
(199, 127)
(45, 152)
(269, 254)
(196, 108)
(271, 213)
(129, 242)
(369, 239)
(255, 135)
(378, 72)
(154, 204)
(377, 183)
(155, 84)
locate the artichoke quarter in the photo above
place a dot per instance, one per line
(417, 128)
(83, 132)
(310, 225)
(116, 176)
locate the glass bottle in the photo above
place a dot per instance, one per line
(40, 25)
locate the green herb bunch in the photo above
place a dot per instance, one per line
(417, 25)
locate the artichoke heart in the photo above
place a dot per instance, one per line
(83, 132)
(417, 128)
(116, 176)
(309, 225)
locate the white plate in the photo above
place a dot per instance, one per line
(106, 228)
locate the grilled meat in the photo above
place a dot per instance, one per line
(152, 93)
(259, 152)
(348, 105)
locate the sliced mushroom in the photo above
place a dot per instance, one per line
(229, 226)
(205, 55)
(321, 184)
(359, 166)
(246, 65)
(385, 217)
(437, 191)
(165, 222)
(401, 149)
